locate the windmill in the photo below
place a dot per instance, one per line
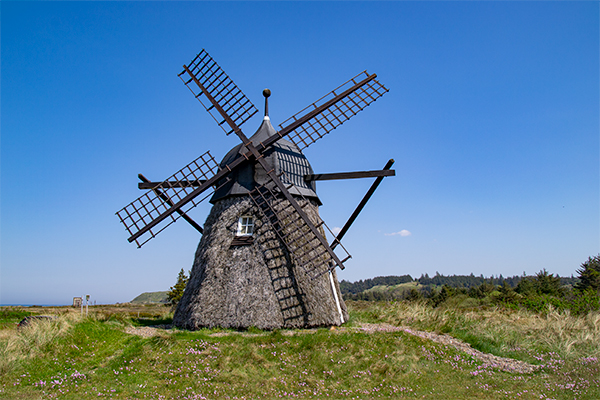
(264, 259)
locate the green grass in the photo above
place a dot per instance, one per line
(396, 290)
(10, 316)
(75, 358)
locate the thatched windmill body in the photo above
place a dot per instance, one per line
(264, 259)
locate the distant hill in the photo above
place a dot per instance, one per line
(361, 286)
(150, 297)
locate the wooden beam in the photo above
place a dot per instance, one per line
(360, 206)
(349, 175)
(170, 184)
(166, 199)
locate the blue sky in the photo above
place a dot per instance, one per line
(492, 118)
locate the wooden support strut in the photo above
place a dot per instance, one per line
(360, 206)
(170, 184)
(307, 178)
(349, 175)
(247, 156)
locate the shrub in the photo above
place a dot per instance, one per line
(542, 283)
(506, 294)
(589, 275)
(482, 290)
(542, 303)
(584, 301)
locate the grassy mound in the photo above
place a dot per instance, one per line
(78, 358)
(150, 297)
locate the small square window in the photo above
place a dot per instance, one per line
(245, 226)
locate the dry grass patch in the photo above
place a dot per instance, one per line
(19, 344)
(502, 329)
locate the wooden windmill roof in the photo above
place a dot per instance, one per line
(283, 156)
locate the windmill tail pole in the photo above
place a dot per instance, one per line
(360, 206)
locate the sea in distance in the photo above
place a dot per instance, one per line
(34, 305)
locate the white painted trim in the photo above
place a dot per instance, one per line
(239, 227)
(335, 296)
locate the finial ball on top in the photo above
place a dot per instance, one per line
(266, 93)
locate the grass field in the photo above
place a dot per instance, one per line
(398, 290)
(101, 356)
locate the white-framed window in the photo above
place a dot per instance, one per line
(245, 226)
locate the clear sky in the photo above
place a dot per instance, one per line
(492, 118)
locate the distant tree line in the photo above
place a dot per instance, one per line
(361, 286)
(456, 281)
(538, 292)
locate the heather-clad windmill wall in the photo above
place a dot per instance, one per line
(252, 285)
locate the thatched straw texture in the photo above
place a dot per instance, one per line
(254, 285)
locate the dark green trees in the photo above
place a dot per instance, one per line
(175, 292)
(542, 284)
(589, 274)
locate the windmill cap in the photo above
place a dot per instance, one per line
(283, 157)
(267, 93)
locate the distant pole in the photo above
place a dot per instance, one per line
(87, 300)
(81, 305)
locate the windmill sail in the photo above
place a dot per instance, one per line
(330, 111)
(217, 92)
(303, 244)
(141, 212)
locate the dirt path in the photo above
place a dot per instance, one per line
(149, 331)
(502, 363)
